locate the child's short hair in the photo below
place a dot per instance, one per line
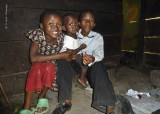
(65, 17)
(48, 12)
(86, 11)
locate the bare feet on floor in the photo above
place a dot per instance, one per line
(82, 82)
(110, 109)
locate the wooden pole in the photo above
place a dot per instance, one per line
(140, 44)
(6, 98)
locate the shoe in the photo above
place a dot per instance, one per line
(25, 111)
(62, 108)
(43, 102)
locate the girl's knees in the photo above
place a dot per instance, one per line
(43, 67)
(49, 67)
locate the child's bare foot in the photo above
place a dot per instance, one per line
(82, 82)
(41, 109)
(110, 109)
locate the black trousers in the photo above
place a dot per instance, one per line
(103, 93)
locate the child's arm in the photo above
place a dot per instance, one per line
(35, 56)
(75, 51)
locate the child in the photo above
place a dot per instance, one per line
(70, 26)
(103, 93)
(46, 44)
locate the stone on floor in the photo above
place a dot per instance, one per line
(145, 105)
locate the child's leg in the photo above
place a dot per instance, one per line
(81, 79)
(34, 72)
(64, 80)
(47, 79)
(28, 98)
(34, 77)
(103, 92)
(43, 93)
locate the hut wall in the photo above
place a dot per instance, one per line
(19, 16)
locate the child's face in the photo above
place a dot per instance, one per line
(87, 22)
(71, 26)
(52, 26)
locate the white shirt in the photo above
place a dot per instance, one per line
(70, 43)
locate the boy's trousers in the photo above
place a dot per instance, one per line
(103, 93)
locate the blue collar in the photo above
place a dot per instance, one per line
(80, 36)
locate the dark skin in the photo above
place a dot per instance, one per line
(87, 23)
(35, 56)
(71, 27)
(52, 27)
(52, 30)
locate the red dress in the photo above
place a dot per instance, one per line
(42, 74)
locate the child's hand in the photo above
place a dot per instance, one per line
(82, 46)
(74, 57)
(87, 59)
(66, 56)
(69, 51)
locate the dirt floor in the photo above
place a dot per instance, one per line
(123, 79)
